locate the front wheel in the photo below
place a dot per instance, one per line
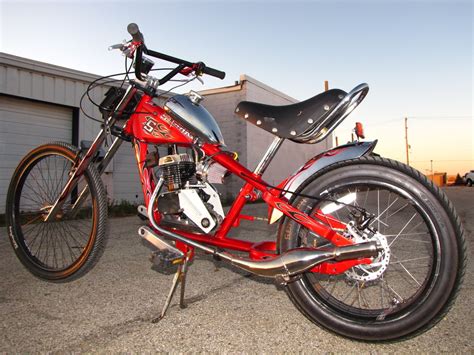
(70, 244)
(413, 283)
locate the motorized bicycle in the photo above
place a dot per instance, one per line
(366, 247)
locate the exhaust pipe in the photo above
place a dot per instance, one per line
(283, 267)
(296, 261)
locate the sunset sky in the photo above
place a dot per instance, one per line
(417, 56)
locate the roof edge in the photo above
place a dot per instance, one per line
(245, 77)
(47, 68)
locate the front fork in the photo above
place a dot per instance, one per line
(80, 165)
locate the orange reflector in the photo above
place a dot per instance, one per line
(359, 130)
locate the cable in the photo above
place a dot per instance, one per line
(177, 86)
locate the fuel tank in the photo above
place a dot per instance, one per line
(189, 112)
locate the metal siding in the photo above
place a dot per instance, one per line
(25, 124)
(127, 184)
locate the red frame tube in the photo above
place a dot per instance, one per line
(152, 125)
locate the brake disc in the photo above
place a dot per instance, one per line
(374, 270)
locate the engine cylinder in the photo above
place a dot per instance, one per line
(177, 169)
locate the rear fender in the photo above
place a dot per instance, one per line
(315, 164)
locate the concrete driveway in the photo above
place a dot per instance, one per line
(110, 309)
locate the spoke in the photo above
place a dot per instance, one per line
(366, 195)
(381, 214)
(405, 234)
(42, 193)
(71, 250)
(32, 198)
(79, 245)
(48, 187)
(401, 208)
(378, 209)
(30, 244)
(32, 220)
(401, 231)
(406, 270)
(350, 292)
(37, 236)
(363, 298)
(30, 229)
(408, 260)
(390, 289)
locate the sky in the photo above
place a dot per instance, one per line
(416, 56)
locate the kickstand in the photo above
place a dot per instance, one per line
(179, 277)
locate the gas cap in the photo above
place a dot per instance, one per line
(195, 97)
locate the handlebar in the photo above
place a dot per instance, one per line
(199, 68)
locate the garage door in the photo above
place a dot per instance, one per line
(23, 126)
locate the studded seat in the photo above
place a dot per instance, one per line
(298, 122)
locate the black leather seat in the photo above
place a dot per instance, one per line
(291, 121)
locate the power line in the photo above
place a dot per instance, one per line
(422, 118)
(439, 117)
(440, 160)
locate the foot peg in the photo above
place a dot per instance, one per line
(142, 213)
(166, 256)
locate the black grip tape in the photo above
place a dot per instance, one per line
(214, 72)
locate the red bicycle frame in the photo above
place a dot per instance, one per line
(151, 124)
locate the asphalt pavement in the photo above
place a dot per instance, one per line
(111, 308)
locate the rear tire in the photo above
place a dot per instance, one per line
(69, 245)
(425, 267)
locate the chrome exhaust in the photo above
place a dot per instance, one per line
(283, 267)
(296, 261)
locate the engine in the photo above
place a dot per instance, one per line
(190, 203)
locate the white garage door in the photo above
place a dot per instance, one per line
(23, 126)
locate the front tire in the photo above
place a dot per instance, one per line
(415, 285)
(68, 246)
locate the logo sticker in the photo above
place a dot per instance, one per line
(156, 129)
(176, 125)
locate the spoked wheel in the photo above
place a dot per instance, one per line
(69, 244)
(407, 288)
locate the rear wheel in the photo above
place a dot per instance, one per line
(413, 283)
(70, 244)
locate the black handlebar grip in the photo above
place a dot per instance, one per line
(134, 31)
(214, 72)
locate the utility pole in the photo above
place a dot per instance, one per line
(406, 140)
(432, 173)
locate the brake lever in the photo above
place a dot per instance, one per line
(125, 47)
(117, 46)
